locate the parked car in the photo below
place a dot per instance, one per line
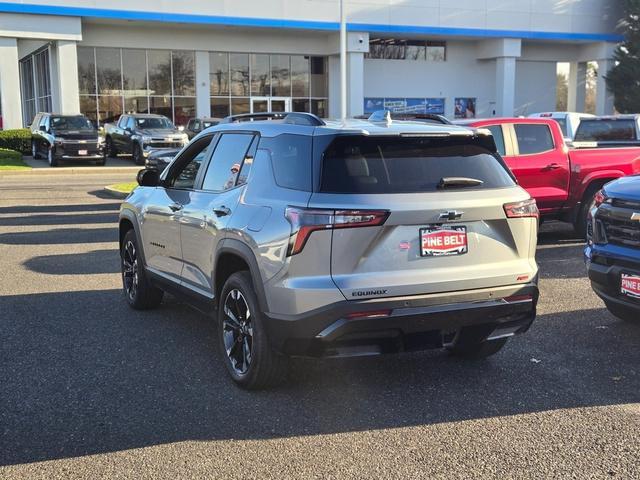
(568, 121)
(65, 137)
(159, 159)
(563, 181)
(139, 134)
(316, 238)
(608, 132)
(196, 125)
(613, 250)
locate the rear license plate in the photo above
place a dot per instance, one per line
(82, 152)
(630, 285)
(442, 240)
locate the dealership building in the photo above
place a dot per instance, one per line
(207, 58)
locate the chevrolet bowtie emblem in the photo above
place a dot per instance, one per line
(635, 216)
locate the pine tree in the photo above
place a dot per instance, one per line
(623, 80)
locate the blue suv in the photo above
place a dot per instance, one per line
(613, 250)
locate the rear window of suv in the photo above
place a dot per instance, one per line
(358, 164)
(605, 130)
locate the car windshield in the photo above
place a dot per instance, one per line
(154, 123)
(606, 130)
(391, 165)
(71, 123)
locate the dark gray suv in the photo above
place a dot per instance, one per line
(313, 238)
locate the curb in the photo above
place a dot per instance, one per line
(71, 171)
(115, 193)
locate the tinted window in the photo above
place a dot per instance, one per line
(290, 160)
(604, 130)
(247, 163)
(193, 156)
(406, 165)
(498, 137)
(154, 122)
(533, 138)
(71, 123)
(226, 161)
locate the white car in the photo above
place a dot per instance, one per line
(568, 121)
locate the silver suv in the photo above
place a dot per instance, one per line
(313, 238)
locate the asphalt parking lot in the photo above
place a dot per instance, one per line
(92, 389)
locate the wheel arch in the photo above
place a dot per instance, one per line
(128, 222)
(233, 256)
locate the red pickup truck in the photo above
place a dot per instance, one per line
(563, 181)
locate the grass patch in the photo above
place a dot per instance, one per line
(12, 160)
(124, 187)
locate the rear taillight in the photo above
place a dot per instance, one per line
(305, 221)
(524, 209)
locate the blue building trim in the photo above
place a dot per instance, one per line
(11, 7)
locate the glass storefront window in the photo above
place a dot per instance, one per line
(109, 71)
(299, 76)
(161, 106)
(300, 105)
(109, 108)
(280, 76)
(159, 72)
(436, 51)
(260, 78)
(318, 77)
(86, 70)
(219, 107)
(136, 104)
(89, 107)
(239, 68)
(184, 73)
(319, 107)
(184, 108)
(219, 73)
(240, 105)
(134, 72)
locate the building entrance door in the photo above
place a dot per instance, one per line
(270, 104)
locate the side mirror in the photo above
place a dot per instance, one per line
(148, 178)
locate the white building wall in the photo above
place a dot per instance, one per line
(462, 75)
(535, 87)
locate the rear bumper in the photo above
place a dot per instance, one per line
(412, 323)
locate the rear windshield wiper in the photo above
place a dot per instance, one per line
(458, 182)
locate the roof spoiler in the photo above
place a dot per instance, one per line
(294, 118)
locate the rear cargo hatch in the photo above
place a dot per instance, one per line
(438, 236)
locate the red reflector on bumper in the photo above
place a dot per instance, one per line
(371, 314)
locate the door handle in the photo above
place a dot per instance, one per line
(552, 166)
(176, 207)
(221, 211)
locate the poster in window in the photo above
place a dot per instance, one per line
(435, 106)
(395, 105)
(465, 107)
(373, 104)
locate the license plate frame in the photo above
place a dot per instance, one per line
(632, 287)
(443, 249)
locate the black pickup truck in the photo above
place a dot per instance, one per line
(140, 134)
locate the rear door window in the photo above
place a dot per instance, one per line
(533, 138)
(498, 137)
(359, 164)
(606, 130)
(290, 160)
(227, 161)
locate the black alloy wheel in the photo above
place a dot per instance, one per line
(237, 331)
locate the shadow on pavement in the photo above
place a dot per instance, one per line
(83, 374)
(89, 263)
(61, 219)
(60, 236)
(89, 207)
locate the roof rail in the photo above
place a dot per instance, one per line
(295, 118)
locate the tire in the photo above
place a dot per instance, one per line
(588, 201)
(34, 151)
(138, 291)
(470, 344)
(51, 157)
(102, 161)
(244, 346)
(138, 157)
(623, 313)
(110, 148)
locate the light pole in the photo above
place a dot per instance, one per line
(343, 62)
